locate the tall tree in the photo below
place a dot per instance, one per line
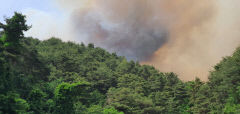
(13, 30)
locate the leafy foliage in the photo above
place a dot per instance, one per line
(52, 76)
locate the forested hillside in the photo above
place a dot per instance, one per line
(51, 76)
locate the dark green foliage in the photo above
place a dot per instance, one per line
(37, 100)
(11, 103)
(51, 76)
(13, 32)
(128, 101)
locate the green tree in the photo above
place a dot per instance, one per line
(128, 101)
(111, 110)
(38, 101)
(134, 82)
(66, 94)
(11, 103)
(13, 31)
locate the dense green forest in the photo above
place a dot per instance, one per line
(51, 76)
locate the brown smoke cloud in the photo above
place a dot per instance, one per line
(200, 36)
(187, 37)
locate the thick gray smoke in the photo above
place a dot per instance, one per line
(187, 37)
(131, 30)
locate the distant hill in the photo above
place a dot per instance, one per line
(52, 76)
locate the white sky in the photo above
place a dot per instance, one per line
(45, 16)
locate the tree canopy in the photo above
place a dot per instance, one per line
(53, 76)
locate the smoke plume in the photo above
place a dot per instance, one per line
(183, 36)
(132, 30)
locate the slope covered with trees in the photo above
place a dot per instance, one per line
(58, 77)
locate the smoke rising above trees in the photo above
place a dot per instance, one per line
(163, 33)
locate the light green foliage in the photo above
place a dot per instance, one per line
(111, 110)
(230, 107)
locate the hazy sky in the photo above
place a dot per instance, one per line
(43, 15)
(9, 6)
